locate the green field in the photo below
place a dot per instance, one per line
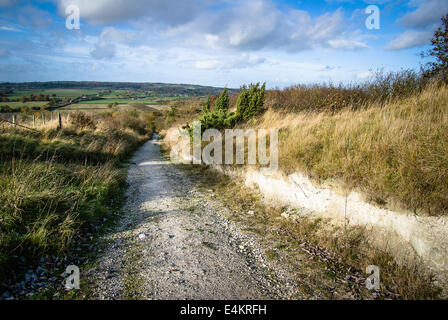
(18, 105)
(119, 101)
(58, 92)
(139, 99)
(103, 107)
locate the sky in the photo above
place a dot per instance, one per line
(212, 42)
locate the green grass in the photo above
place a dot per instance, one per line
(18, 105)
(84, 107)
(109, 99)
(119, 101)
(58, 92)
(56, 184)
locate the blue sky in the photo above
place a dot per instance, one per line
(212, 42)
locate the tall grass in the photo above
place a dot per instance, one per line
(395, 151)
(55, 182)
(381, 88)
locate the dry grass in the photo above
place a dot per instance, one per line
(382, 88)
(397, 152)
(56, 182)
(335, 252)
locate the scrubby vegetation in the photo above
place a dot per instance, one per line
(386, 137)
(334, 250)
(249, 104)
(55, 183)
(381, 88)
(394, 152)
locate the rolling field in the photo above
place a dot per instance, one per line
(58, 92)
(101, 107)
(17, 104)
(119, 101)
(121, 97)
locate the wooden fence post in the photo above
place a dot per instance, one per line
(34, 120)
(60, 120)
(14, 120)
(43, 118)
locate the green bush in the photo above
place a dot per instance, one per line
(5, 109)
(217, 119)
(250, 101)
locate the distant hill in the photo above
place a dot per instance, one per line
(162, 89)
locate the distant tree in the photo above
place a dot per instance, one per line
(439, 51)
(222, 103)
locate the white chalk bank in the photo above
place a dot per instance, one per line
(403, 234)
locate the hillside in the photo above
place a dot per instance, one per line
(160, 89)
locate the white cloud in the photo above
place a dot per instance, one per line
(121, 36)
(207, 64)
(9, 28)
(260, 24)
(428, 12)
(347, 44)
(105, 45)
(103, 50)
(241, 25)
(230, 63)
(423, 20)
(409, 39)
(106, 11)
(364, 75)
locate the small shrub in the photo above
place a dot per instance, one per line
(5, 109)
(83, 121)
(250, 101)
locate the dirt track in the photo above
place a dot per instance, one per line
(174, 243)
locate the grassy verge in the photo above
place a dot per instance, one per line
(339, 257)
(396, 153)
(59, 185)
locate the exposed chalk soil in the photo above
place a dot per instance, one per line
(174, 242)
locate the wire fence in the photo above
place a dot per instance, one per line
(32, 119)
